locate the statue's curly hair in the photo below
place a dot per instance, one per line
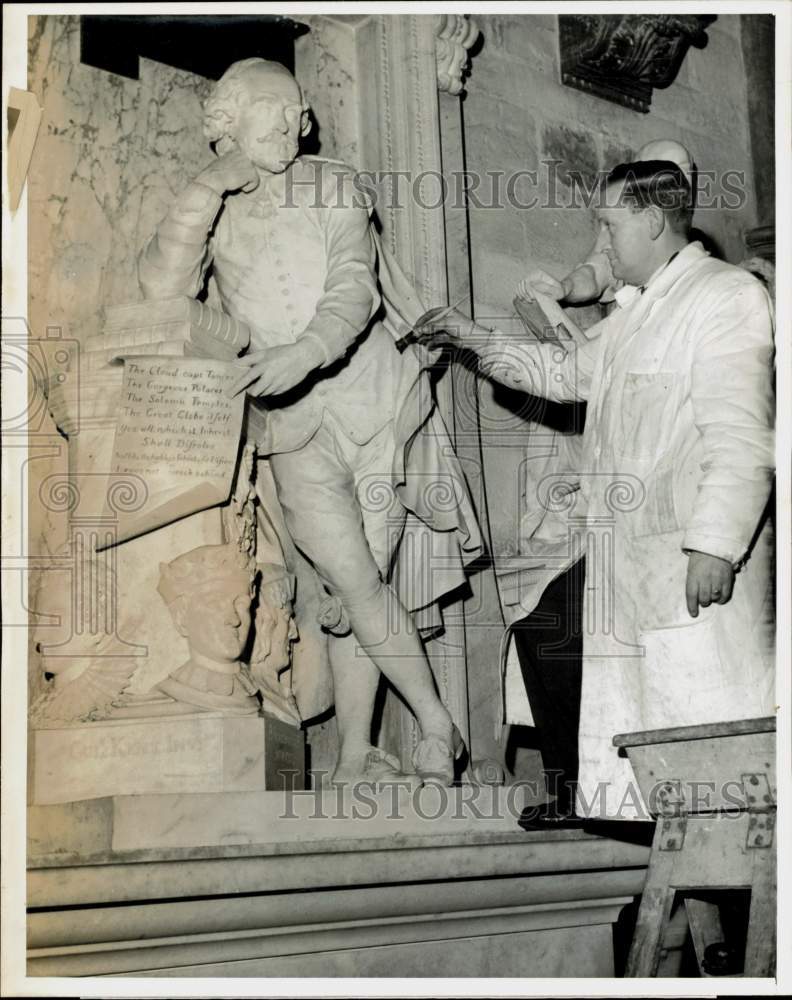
(225, 101)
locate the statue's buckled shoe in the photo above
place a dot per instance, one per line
(434, 758)
(379, 768)
(381, 765)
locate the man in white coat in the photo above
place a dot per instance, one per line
(677, 472)
(552, 597)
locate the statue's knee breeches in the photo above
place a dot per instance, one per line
(319, 492)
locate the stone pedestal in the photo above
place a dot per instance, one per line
(456, 896)
(177, 754)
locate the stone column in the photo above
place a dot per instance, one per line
(482, 616)
(401, 138)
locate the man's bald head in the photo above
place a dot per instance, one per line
(671, 151)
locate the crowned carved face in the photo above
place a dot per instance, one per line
(215, 623)
(271, 120)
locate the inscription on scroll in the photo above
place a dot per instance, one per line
(178, 431)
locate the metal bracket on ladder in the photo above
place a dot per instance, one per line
(761, 810)
(672, 833)
(672, 818)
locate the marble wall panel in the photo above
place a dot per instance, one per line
(326, 66)
(110, 155)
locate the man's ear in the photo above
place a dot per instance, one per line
(657, 221)
(306, 124)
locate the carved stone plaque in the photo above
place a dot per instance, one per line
(178, 431)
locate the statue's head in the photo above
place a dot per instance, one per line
(209, 591)
(258, 106)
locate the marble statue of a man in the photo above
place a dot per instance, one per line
(295, 258)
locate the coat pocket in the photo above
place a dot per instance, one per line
(647, 408)
(657, 514)
(683, 682)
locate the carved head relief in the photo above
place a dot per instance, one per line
(258, 106)
(275, 625)
(209, 592)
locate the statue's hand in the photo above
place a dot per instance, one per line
(232, 171)
(277, 369)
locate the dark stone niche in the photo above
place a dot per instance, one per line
(204, 45)
(623, 57)
(757, 37)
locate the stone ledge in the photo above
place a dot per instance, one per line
(553, 935)
(168, 827)
(86, 870)
(474, 904)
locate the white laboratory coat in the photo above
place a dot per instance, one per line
(677, 455)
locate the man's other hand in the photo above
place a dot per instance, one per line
(277, 369)
(541, 281)
(232, 171)
(710, 580)
(443, 328)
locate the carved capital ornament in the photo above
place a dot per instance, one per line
(623, 57)
(455, 34)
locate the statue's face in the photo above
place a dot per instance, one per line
(269, 124)
(217, 625)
